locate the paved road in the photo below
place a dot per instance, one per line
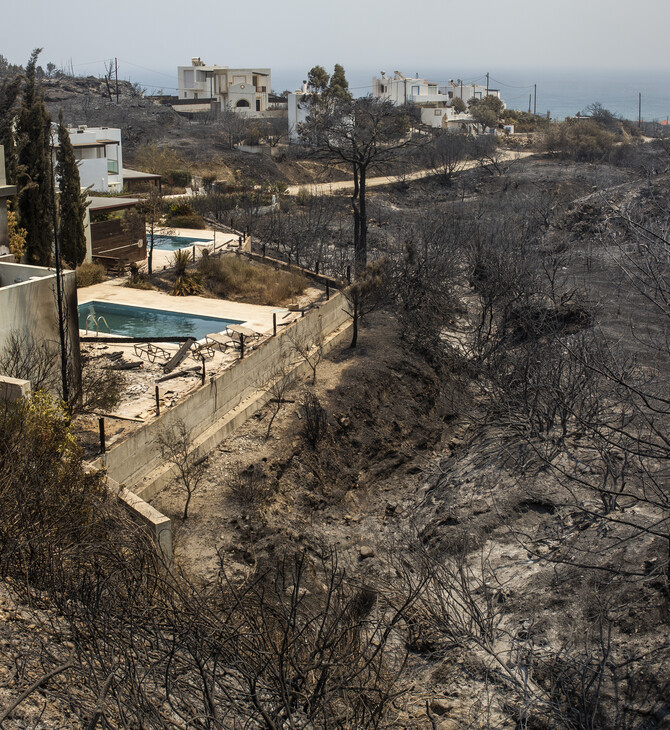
(375, 182)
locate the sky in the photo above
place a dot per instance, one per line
(438, 39)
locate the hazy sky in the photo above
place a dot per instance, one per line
(153, 37)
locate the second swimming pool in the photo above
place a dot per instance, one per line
(129, 321)
(173, 243)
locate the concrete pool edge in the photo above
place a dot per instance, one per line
(256, 316)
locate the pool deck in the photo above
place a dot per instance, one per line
(254, 316)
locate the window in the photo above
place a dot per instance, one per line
(113, 167)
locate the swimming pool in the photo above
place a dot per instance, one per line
(128, 321)
(172, 243)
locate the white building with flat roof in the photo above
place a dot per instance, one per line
(403, 90)
(243, 90)
(299, 105)
(99, 155)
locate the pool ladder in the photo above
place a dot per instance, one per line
(97, 323)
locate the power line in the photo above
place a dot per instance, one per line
(146, 68)
(90, 63)
(512, 86)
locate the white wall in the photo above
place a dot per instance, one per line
(93, 165)
(28, 304)
(298, 111)
(444, 117)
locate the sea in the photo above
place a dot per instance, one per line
(557, 92)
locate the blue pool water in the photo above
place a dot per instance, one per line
(172, 243)
(128, 321)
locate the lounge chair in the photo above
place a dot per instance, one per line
(222, 341)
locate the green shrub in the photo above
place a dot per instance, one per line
(88, 274)
(137, 279)
(234, 277)
(303, 197)
(178, 178)
(181, 207)
(186, 221)
(583, 141)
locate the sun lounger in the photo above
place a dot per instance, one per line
(179, 357)
(237, 331)
(222, 341)
(202, 349)
(150, 352)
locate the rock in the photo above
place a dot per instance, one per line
(366, 552)
(440, 706)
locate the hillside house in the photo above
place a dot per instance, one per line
(435, 100)
(99, 155)
(244, 90)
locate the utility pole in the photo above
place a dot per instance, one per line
(639, 110)
(116, 73)
(535, 99)
(530, 96)
(487, 83)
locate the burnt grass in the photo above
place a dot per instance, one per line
(412, 463)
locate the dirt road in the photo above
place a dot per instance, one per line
(375, 182)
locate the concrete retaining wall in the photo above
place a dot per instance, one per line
(209, 413)
(158, 525)
(28, 304)
(11, 389)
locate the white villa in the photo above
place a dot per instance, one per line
(243, 90)
(99, 153)
(434, 100)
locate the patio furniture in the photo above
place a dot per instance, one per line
(237, 330)
(222, 341)
(179, 357)
(241, 334)
(149, 351)
(202, 349)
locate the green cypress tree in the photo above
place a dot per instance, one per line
(9, 94)
(72, 202)
(35, 177)
(339, 86)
